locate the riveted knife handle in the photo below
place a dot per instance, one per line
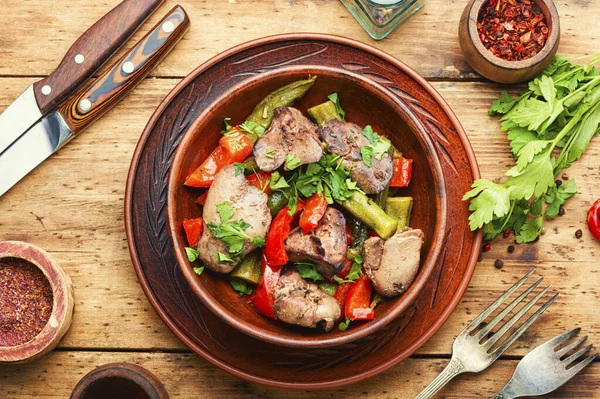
(101, 95)
(96, 46)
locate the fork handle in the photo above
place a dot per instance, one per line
(453, 369)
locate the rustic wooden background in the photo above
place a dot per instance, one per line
(73, 204)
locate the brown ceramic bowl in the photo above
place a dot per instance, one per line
(119, 380)
(497, 69)
(365, 102)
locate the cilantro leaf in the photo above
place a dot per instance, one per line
(354, 273)
(258, 241)
(278, 182)
(370, 134)
(366, 151)
(232, 233)
(344, 324)
(224, 258)
(335, 98)
(239, 168)
(240, 286)
(530, 230)
(488, 200)
(270, 153)
(191, 253)
(225, 211)
(292, 161)
(533, 180)
(557, 197)
(253, 128)
(309, 270)
(529, 151)
(502, 105)
(198, 270)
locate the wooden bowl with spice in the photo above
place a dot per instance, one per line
(36, 302)
(509, 41)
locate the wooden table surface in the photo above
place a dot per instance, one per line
(72, 205)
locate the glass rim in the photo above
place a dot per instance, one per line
(395, 3)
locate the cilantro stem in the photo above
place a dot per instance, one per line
(595, 80)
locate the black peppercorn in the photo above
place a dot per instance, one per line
(511, 249)
(558, 183)
(561, 211)
(578, 233)
(498, 264)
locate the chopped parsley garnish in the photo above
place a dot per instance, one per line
(224, 258)
(292, 161)
(344, 324)
(198, 270)
(354, 273)
(377, 147)
(253, 128)
(239, 168)
(232, 233)
(270, 153)
(335, 98)
(328, 177)
(192, 254)
(240, 286)
(309, 270)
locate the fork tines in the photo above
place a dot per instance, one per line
(483, 332)
(556, 343)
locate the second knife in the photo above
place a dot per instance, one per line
(56, 129)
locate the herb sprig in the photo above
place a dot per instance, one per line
(550, 125)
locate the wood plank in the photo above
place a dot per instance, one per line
(78, 217)
(427, 42)
(55, 376)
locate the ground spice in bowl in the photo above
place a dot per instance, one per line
(25, 301)
(513, 30)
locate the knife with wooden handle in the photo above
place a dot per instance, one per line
(56, 129)
(93, 49)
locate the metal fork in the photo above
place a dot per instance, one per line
(542, 371)
(470, 354)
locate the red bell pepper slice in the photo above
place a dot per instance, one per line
(346, 266)
(402, 172)
(358, 301)
(261, 181)
(342, 292)
(314, 209)
(280, 230)
(233, 147)
(193, 230)
(201, 200)
(262, 299)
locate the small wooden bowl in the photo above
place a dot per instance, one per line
(119, 380)
(497, 69)
(62, 305)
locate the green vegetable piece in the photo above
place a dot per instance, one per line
(323, 113)
(309, 271)
(328, 287)
(292, 161)
(240, 286)
(282, 97)
(277, 201)
(370, 213)
(249, 268)
(224, 258)
(335, 98)
(360, 232)
(192, 254)
(199, 270)
(250, 166)
(344, 324)
(400, 208)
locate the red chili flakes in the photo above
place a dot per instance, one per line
(25, 301)
(513, 30)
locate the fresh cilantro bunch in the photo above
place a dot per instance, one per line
(550, 125)
(328, 177)
(232, 233)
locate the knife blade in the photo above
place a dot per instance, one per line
(83, 59)
(56, 129)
